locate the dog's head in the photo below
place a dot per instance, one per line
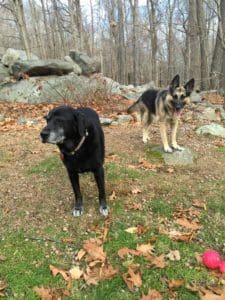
(180, 95)
(63, 123)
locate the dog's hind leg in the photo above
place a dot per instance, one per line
(78, 207)
(174, 126)
(99, 178)
(145, 123)
(164, 137)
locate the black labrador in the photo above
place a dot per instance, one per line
(80, 138)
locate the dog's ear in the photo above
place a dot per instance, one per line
(174, 83)
(81, 123)
(189, 86)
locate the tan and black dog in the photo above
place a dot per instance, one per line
(164, 106)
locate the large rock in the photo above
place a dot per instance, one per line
(13, 55)
(213, 129)
(179, 158)
(76, 68)
(4, 73)
(40, 68)
(87, 64)
(48, 89)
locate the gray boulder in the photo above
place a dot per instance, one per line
(105, 121)
(179, 158)
(4, 73)
(40, 68)
(87, 64)
(13, 55)
(76, 68)
(195, 97)
(48, 89)
(213, 129)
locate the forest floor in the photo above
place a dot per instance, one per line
(162, 218)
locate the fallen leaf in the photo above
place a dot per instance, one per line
(141, 229)
(50, 293)
(147, 165)
(145, 249)
(132, 279)
(94, 249)
(2, 257)
(185, 223)
(91, 276)
(135, 206)
(152, 295)
(178, 236)
(199, 204)
(135, 191)
(158, 262)
(3, 285)
(107, 271)
(173, 255)
(126, 251)
(174, 284)
(131, 230)
(55, 271)
(75, 272)
(112, 196)
(80, 254)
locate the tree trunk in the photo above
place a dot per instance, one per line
(203, 46)
(218, 66)
(20, 20)
(134, 6)
(35, 26)
(194, 70)
(120, 45)
(153, 37)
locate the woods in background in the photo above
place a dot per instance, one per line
(137, 41)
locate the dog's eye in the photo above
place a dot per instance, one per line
(175, 97)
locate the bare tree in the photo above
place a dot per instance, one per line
(20, 20)
(203, 45)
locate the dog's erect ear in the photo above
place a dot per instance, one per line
(189, 86)
(81, 124)
(174, 83)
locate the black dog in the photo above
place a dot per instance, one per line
(80, 138)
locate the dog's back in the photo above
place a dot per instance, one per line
(146, 100)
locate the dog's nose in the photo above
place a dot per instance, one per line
(44, 135)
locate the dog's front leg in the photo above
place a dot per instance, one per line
(174, 126)
(100, 180)
(164, 137)
(78, 208)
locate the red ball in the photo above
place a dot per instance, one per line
(211, 259)
(222, 266)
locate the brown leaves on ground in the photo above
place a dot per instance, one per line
(152, 295)
(93, 275)
(144, 249)
(178, 236)
(132, 279)
(55, 271)
(50, 293)
(209, 293)
(157, 262)
(94, 249)
(2, 258)
(148, 166)
(3, 285)
(189, 225)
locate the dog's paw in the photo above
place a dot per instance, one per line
(145, 140)
(168, 149)
(77, 212)
(177, 147)
(104, 211)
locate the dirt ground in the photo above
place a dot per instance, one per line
(22, 199)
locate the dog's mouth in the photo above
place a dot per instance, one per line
(52, 139)
(178, 112)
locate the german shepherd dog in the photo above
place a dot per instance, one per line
(164, 106)
(80, 139)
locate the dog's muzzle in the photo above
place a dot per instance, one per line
(44, 136)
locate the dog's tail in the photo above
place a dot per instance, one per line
(134, 107)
